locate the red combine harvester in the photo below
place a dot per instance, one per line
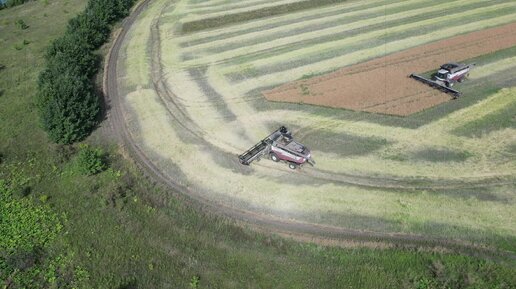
(279, 146)
(449, 74)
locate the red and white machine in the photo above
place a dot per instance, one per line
(452, 72)
(279, 146)
(446, 76)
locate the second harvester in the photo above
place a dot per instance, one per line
(446, 76)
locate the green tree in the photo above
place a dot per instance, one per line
(68, 104)
(68, 107)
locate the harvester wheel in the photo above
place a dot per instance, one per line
(461, 80)
(292, 166)
(274, 157)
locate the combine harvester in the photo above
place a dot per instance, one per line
(279, 146)
(449, 74)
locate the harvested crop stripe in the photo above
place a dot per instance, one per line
(220, 183)
(196, 16)
(365, 54)
(493, 68)
(459, 118)
(219, 5)
(193, 122)
(231, 19)
(469, 25)
(392, 89)
(278, 21)
(372, 16)
(304, 52)
(137, 47)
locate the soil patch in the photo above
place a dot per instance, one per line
(382, 85)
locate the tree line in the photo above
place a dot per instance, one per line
(68, 102)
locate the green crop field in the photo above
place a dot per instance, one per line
(190, 75)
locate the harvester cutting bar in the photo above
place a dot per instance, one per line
(437, 85)
(261, 148)
(253, 153)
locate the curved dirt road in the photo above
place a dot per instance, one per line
(298, 229)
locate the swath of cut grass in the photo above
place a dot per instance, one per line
(303, 23)
(308, 35)
(271, 188)
(198, 15)
(496, 120)
(355, 57)
(263, 25)
(215, 22)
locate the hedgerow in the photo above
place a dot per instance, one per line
(67, 100)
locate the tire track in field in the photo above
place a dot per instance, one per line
(296, 229)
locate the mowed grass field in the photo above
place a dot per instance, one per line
(121, 231)
(193, 102)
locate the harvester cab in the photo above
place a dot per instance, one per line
(279, 146)
(452, 72)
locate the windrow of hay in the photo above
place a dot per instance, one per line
(368, 16)
(217, 57)
(195, 120)
(354, 57)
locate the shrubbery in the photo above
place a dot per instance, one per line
(26, 230)
(67, 100)
(90, 160)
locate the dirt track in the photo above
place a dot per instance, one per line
(382, 85)
(297, 229)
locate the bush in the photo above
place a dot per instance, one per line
(21, 24)
(68, 107)
(90, 160)
(67, 100)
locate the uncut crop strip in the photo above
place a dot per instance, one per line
(202, 14)
(225, 97)
(222, 3)
(328, 19)
(379, 41)
(391, 87)
(276, 22)
(494, 103)
(355, 57)
(493, 68)
(156, 132)
(304, 53)
(226, 19)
